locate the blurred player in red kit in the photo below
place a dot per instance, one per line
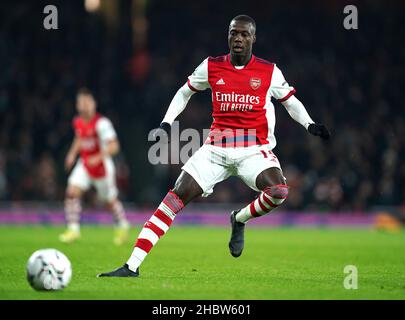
(96, 143)
(240, 141)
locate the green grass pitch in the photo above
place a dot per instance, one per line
(194, 263)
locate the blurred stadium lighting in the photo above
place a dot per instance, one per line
(92, 5)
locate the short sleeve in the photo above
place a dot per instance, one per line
(105, 130)
(279, 88)
(198, 80)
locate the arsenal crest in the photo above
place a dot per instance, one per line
(255, 83)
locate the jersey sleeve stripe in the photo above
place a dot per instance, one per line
(192, 88)
(293, 91)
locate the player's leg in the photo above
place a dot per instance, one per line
(116, 207)
(261, 171)
(78, 182)
(185, 190)
(107, 192)
(73, 209)
(121, 233)
(193, 181)
(274, 191)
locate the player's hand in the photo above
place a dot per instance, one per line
(319, 130)
(69, 161)
(92, 161)
(162, 133)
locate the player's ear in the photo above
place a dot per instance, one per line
(254, 38)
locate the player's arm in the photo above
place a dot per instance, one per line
(177, 105)
(109, 141)
(284, 93)
(298, 112)
(72, 153)
(197, 82)
(112, 148)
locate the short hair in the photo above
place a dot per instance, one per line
(245, 18)
(85, 91)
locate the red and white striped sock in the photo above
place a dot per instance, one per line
(118, 212)
(155, 228)
(268, 200)
(72, 212)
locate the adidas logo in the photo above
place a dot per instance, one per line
(221, 81)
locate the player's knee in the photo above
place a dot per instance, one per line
(182, 192)
(186, 189)
(108, 203)
(278, 193)
(72, 193)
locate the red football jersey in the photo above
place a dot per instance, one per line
(241, 99)
(91, 135)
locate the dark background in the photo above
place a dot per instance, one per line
(136, 57)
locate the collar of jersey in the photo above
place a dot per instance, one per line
(94, 118)
(252, 59)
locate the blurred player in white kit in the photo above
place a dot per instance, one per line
(95, 143)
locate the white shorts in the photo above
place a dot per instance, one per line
(106, 187)
(210, 165)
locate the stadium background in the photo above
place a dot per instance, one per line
(136, 54)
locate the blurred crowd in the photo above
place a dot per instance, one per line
(350, 80)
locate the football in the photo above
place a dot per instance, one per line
(48, 269)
